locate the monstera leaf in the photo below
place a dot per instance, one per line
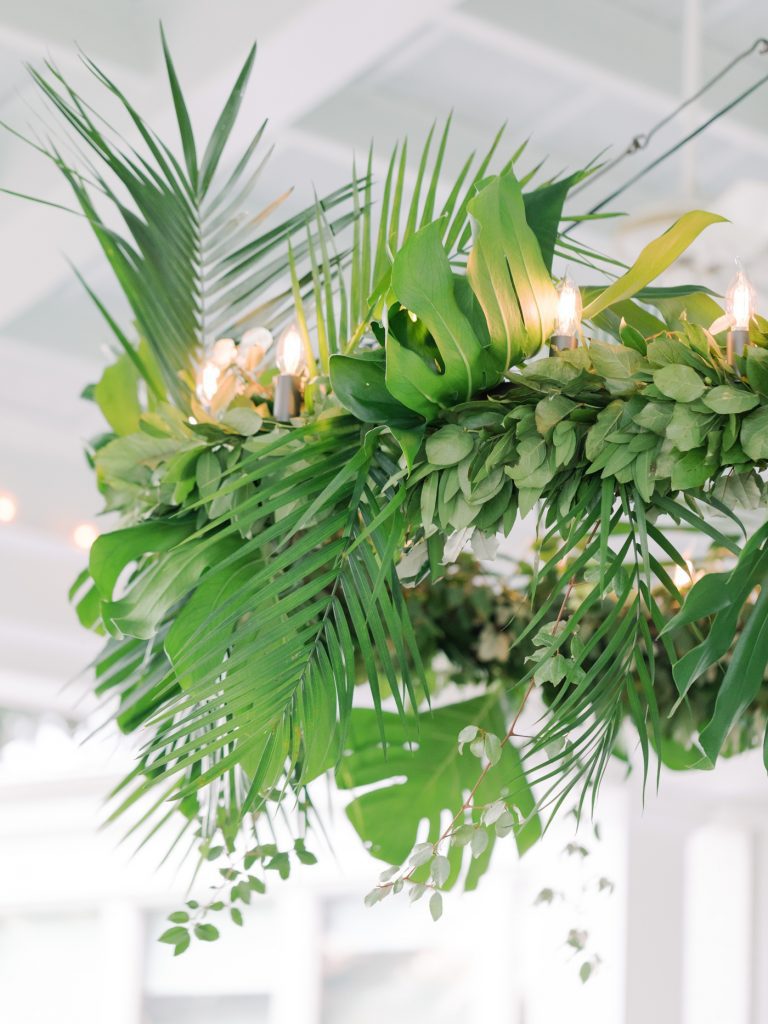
(359, 384)
(424, 776)
(508, 274)
(449, 362)
(468, 330)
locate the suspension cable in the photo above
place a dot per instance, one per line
(641, 141)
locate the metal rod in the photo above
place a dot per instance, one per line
(561, 342)
(673, 149)
(287, 403)
(736, 343)
(642, 140)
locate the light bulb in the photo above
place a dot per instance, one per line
(223, 353)
(8, 508)
(740, 300)
(568, 318)
(83, 536)
(208, 381)
(290, 352)
(683, 578)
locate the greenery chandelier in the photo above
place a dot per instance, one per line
(283, 599)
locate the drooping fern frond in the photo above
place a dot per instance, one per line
(599, 677)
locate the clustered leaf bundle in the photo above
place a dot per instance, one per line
(274, 600)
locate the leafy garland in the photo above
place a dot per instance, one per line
(261, 574)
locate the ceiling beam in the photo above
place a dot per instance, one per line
(330, 45)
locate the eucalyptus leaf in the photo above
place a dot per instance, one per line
(680, 383)
(726, 399)
(448, 446)
(754, 434)
(615, 361)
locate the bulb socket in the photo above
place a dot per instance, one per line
(561, 342)
(735, 344)
(287, 403)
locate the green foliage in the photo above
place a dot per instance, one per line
(436, 775)
(656, 424)
(188, 274)
(722, 598)
(655, 258)
(507, 273)
(359, 384)
(454, 335)
(287, 539)
(438, 360)
(255, 581)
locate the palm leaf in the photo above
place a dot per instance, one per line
(257, 611)
(192, 265)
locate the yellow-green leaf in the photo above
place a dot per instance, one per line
(655, 258)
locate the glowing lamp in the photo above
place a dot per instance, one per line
(567, 317)
(290, 353)
(83, 536)
(740, 308)
(683, 578)
(208, 381)
(291, 362)
(210, 376)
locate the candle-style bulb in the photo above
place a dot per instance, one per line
(740, 300)
(289, 355)
(208, 383)
(568, 318)
(684, 578)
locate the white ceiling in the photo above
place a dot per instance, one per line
(574, 77)
(332, 74)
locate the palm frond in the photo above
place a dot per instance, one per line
(191, 262)
(301, 530)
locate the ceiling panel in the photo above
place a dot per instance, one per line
(482, 86)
